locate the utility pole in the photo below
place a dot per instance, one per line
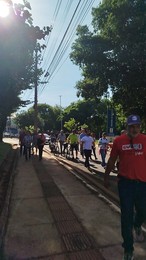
(60, 112)
(36, 90)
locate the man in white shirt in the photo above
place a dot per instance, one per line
(87, 143)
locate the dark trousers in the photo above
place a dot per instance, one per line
(87, 154)
(133, 208)
(94, 151)
(27, 151)
(40, 151)
(61, 146)
(74, 147)
(103, 156)
(22, 149)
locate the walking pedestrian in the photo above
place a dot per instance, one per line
(87, 143)
(27, 145)
(73, 140)
(21, 141)
(94, 145)
(131, 150)
(82, 134)
(61, 138)
(34, 142)
(103, 146)
(40, 144)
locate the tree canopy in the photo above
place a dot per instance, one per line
(48, 118)
(18, 39)
(114, 54)
(90, 112)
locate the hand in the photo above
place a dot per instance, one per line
(106, 181)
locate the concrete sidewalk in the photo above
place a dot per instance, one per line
(33, 231)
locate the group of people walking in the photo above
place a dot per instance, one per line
(29, 142)
(85, 143)
(128, 152)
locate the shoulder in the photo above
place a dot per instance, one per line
(121, 137)
(142, 137)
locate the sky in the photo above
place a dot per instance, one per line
(64, 74)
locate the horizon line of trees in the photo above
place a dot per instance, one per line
(82, 113)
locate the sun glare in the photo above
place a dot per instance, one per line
(4, 9)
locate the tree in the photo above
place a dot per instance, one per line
(26, 120)
(71, 124)
(90, 112)
(48, 117)
(114, 54)
(18, 39)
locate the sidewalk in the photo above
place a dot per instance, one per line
(42, 225)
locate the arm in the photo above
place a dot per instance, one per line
(99, 142)
(81, 144)
(109, 168)
(111, 162)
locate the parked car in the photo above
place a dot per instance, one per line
(6, 134)
(47, 137)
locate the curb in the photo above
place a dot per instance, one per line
(6, 207)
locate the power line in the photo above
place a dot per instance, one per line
(65, 33)
(62, 40)
(82, 13)
(67, 44)
(53, 45)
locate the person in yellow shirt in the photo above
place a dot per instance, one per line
(73, 140)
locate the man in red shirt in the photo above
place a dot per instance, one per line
(130, 148)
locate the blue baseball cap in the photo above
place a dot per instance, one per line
(133, 120)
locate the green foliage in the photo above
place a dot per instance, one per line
(48, 118)
(71, 124)
(26, 120)
(120, 118)
(84, 126)
(88, 112)
(81, 114)
(18, 39)
(114, 54)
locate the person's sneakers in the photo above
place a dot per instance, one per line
(138, 234)
(128, 256)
